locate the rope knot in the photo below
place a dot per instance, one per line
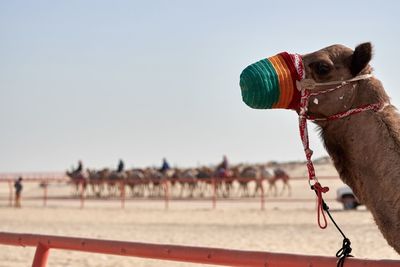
(309, 152)
(319, 189)
(344, 252)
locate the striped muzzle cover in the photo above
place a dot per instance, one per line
(271, 82)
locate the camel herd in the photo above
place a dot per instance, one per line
(238, 181)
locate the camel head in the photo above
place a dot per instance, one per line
(274, 82)
(338, 63)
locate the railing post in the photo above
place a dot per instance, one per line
(262, 198)
(10, 195)
(44, 193)
(82, 194)
(122, 188)
(166, 194)
(214, 197)
(41, 255)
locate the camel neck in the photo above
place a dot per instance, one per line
(365, 149)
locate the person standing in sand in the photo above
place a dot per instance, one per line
(18, 189)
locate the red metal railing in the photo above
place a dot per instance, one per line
(201, 255)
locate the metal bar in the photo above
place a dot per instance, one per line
(262, 196)
(10, 193)
(214, 196)
(166, 194)
(41, 255)
(82, 195)
(44, 193)
(202, 255)
(122, 189)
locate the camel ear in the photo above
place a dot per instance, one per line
(360, 58)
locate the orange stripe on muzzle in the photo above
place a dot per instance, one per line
(285, 81)
(288, 82)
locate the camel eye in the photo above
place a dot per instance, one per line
(321, 68)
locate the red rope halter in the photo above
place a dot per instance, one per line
(303, 116)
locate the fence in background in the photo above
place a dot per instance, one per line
(44, 180)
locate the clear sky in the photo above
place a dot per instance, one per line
(141, 80)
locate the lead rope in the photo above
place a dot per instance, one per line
(314, 183)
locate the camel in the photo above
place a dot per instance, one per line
(204, 177)
(96, 181)
(79, 179)
(155, 181)
(245, 175)
(275, 175)
(135, 181)
(364, 147)
(186, 179)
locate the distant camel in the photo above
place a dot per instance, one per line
(79, 180)
(278, 174)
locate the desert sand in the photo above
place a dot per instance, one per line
(284, 226)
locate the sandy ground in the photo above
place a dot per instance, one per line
(284, 226)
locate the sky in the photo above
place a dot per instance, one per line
(142, 80)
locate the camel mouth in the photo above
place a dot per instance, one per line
(271, 83)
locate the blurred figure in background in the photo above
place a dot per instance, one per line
(79, 168)
(222, 168)
(165, 166)
(18, 189)
(121, 166)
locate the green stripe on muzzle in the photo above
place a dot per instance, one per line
(260, 85)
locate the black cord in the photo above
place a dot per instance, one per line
(344, 252)
(346, 249)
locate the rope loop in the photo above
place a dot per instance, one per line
(322, 207)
